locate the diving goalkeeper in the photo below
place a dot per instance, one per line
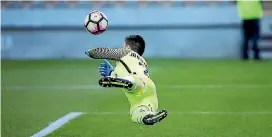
(131, 74)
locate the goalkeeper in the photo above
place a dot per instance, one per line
(131, 74)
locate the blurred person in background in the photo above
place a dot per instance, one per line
(27, 4)
(251, 13)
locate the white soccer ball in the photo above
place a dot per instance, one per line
(96, 22)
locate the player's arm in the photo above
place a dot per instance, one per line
(107, 53)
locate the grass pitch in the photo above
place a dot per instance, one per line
(205, 98)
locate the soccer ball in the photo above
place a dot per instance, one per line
(96, 22)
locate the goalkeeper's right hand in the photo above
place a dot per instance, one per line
(105, 68)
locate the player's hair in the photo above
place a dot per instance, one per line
(136, 43)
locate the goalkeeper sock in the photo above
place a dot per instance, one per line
(139, 113)
(137, 83)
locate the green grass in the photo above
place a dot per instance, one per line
(44, 96)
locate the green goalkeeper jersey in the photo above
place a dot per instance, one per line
(129, 63)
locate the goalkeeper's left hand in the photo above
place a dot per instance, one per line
(105, 68)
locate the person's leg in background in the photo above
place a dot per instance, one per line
(246, 37)
(255, 38)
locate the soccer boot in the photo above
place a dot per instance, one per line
(152, 119)
(115, 82)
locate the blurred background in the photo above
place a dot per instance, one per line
(45, 74)
(179, 29)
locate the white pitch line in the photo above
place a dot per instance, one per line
(192, 113)
(93, 86)
(53, 87)
(220, 86)
(65, 119)
(57, 124)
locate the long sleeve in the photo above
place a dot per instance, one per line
(107, 53)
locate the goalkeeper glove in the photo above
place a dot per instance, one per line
(105, 68)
